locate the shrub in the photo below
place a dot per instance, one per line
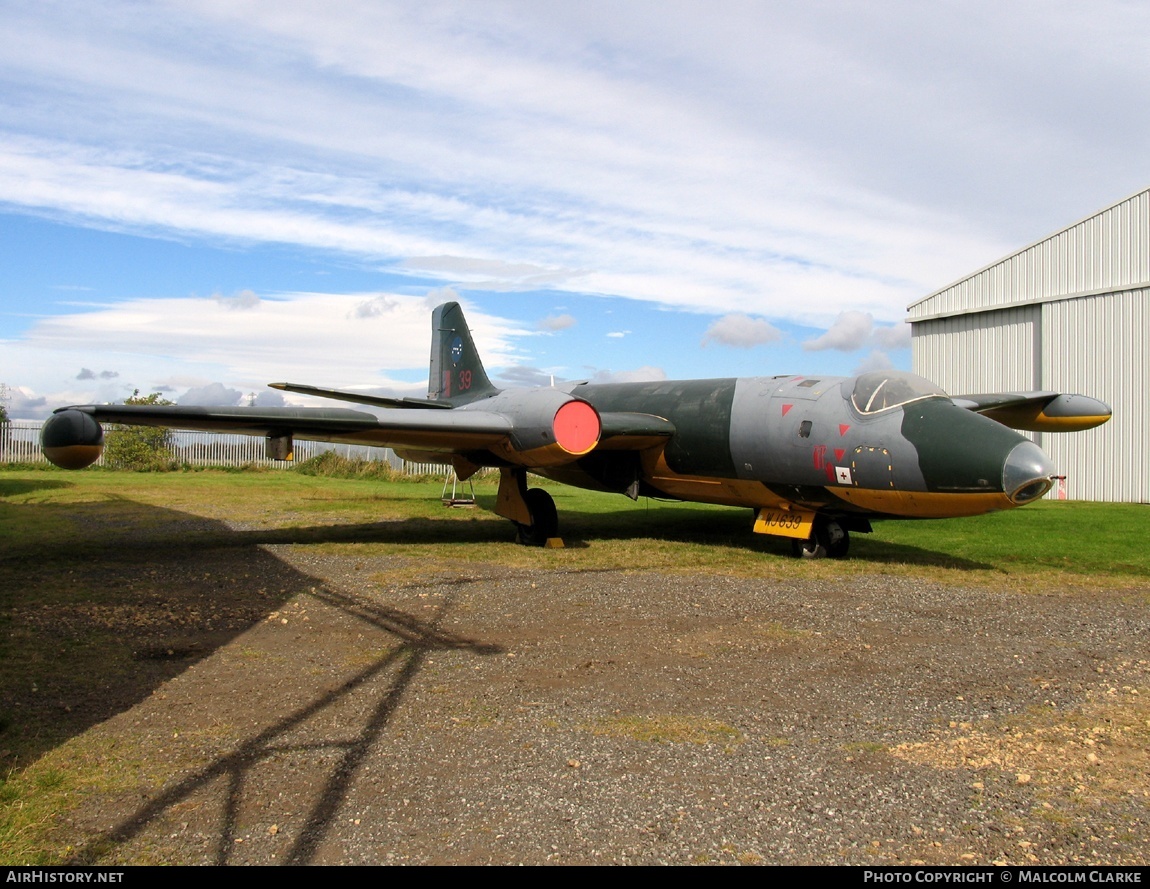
(140, 448)
(331, 465)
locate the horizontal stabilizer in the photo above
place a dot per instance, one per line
(1038, 411)
(360, 398)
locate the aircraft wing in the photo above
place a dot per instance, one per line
(536, 428)
(1038, 411)
(463, 429)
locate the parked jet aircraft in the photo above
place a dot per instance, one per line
(814, 457)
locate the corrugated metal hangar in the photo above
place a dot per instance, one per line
(1069, 313)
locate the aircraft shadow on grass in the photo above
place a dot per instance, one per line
(99, 606)
(15, 487)
(582, 530)
(379, 687)
(71, 592)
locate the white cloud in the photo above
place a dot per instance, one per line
(875, 360)
(557, 322)
(850, 331)
(374, 307)
(741, 331)
(490, 274)
(87, 374)
(855, 330)
(25, 404)
(585, 165)
(211, 395)
(269, 398)
(245, 299)
(524, 376)
(896, 337)
(174, 344)
(645, 374)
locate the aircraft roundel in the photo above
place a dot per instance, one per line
(456, 350)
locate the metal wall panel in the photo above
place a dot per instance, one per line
(1097, 346)
(983, 352)
(1094, 345)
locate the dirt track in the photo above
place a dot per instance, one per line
(366, 714)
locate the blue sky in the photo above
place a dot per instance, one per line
(203, 197)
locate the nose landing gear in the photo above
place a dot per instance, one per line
(828, 540)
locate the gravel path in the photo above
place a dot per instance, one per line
(494, 716)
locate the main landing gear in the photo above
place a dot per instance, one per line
(828, 540)
(531, 511)
(544, 519)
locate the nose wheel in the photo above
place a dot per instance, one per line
(828, 540)
(544, 519)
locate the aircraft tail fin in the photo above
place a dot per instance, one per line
(457, 375)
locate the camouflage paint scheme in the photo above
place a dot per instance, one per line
(815, 457)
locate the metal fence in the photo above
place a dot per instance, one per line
(20, 443)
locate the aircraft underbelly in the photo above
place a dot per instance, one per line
(923, 504)
(721, 491)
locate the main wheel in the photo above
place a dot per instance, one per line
(544, 519)
(828, 540)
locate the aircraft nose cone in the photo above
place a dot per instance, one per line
(1026, 473)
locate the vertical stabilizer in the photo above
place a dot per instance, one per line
(457, 374)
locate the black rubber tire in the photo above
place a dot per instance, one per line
(544, 519)
(828, 540)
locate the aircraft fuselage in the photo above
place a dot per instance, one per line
(780, 441)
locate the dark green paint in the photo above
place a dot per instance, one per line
(957, 450)
(456, 375)
(700, 411)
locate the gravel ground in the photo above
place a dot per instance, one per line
(490, 716)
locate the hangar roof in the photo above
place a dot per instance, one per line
(1107, 251)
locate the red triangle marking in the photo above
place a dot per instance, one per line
(787, 407)
(839, 455)
(843, 427)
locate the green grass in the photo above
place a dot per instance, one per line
(1088, 539)
(1093, 541)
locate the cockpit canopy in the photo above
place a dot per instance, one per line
(882, 390)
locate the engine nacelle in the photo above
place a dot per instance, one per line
(550, 427)
(72, 439)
